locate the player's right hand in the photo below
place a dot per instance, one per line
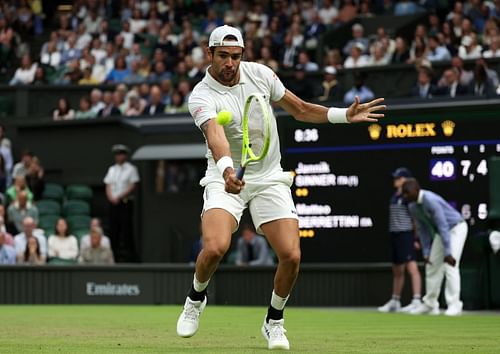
(232, 183)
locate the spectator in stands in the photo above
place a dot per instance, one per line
(436, 51)
(22, 241)
(401, 53)
(424, 87)
(406, 7)
(465, 76)
(85, 240)
(7, 252)
(18, 187)
(177, 103)
(25, 74)
(492, 74)
(357, 37)
(347, 12)
(96, 101)
(481, 84)
(96, 253)
(357, 59)
(21, 168)
(313, 32)
(4, 177)
(330, 88)
(35, 178)
(328, 13)
(494, 49)
(40, 78)
(71, 51)
(304, 60)
(300, 84)
(134, 107)
(359, 89)
(379, 56)
(419, 41)
(87, 78)
(52, 57)
(85, 110)
(451, 86)
(92, 22)
(159, 73)
(252, 249)
(121, 180)
(469, 48)
(62, 245)
(6, 152)
(110, 109)
(289, 52)
(18, 210)
(155, 107)
(63, 110)
(7, 42)
(32, 253)
(119, 73)
(267, 60)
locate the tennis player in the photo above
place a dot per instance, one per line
(265, 189)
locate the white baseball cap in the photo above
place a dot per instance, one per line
(217, 37)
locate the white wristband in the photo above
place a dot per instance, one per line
(337, 115)
(223, 163)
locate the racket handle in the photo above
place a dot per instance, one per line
(240, 173)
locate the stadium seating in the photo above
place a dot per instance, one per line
(79, 192)
(48, 207)
(48, 223)
(78, 222)
(76, 207)
(53, 191)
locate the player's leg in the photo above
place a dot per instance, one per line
(273, 213)
(409, 254)
(458, 235)
(283, 235)
(220, 218)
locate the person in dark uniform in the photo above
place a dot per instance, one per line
(403, 247)
(121, 180)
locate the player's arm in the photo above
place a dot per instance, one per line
(315, 113)
(219, 146)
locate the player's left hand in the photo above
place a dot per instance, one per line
(364, 112)
(450, 260)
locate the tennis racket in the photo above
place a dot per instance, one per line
(256, 127)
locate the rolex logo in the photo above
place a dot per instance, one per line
(374, 131)
(448, 127)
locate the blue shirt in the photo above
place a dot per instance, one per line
(364, 93)
(433, 215)
(440, 53)
(7, 255)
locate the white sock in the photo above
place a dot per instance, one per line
(278, 302)
(396, 297)
(198, 286)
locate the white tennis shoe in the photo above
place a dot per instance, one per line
(412, 305)
(189, 320)
(390, 306)
(274, 332)
(424, 309)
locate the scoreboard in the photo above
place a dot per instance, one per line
(343, 180)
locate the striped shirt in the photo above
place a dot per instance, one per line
(399, 215)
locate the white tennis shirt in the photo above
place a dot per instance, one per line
(210, 97)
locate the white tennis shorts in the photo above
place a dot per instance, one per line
(267, 201)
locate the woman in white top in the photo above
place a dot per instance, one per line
(25, 74)
(62, 245)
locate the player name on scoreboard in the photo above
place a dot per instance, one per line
(322, 216)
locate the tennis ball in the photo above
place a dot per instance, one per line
(224, 117)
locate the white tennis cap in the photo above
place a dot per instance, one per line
(217, 37)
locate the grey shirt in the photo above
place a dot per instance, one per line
(260, 250)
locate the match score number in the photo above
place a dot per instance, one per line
(306, 135)
(442, 169)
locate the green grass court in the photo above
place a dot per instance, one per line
(224, 329)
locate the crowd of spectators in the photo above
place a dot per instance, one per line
(154, 50)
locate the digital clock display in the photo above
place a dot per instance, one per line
(343, 180)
